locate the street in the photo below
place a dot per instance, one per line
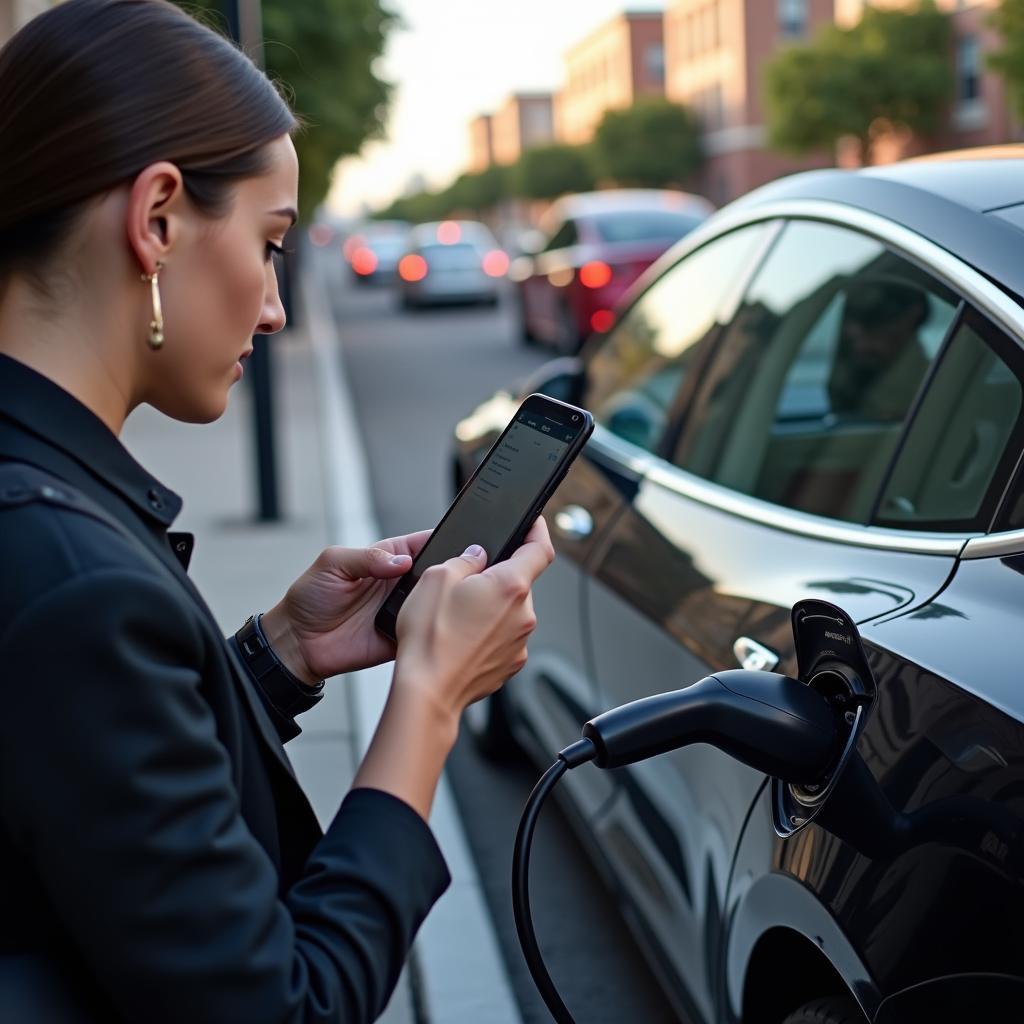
(413, 376)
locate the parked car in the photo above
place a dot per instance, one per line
(818, 393)
(374, 249)
(451, 262)
(593, 246)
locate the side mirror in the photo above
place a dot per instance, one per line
(561, 379)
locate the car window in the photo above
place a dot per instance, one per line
(565, 236)
(633, 378)
(805, 399)
(643, 225)
(458, 256)
(953, 451)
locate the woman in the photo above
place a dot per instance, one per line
(158, 860)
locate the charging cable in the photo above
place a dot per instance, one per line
(574, 755)
(771, 722)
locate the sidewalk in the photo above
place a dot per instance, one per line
(456, 975)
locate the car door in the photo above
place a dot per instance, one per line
(638, 369)
(760, 495)
(944, 744)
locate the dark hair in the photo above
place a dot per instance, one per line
(93, 91)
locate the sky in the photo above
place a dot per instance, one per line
(452, 60)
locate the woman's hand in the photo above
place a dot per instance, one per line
(324, 626)
(462, 632)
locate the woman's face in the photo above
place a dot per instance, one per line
(218, 288)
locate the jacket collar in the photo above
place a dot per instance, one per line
(43, 408)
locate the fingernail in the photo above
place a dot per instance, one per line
(474, 551)
(399, 559)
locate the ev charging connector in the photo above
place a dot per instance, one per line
(801, 732)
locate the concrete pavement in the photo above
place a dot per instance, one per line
(456, 975)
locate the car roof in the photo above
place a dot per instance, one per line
(969, 202)
(586, 204)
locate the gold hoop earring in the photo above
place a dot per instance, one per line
(156, 325)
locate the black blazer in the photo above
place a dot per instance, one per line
(156, 851)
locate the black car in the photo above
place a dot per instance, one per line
(817, 394)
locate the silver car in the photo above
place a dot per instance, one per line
(451, 262)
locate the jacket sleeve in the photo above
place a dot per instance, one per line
(114, 783)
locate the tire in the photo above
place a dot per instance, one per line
(832, 1010)
(487, 723)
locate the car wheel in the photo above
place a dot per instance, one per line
(487, 723)
(827, 1011)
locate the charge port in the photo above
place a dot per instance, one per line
(845, 692)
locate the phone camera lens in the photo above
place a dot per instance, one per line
(575, 417)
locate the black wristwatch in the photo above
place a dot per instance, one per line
(287, 693)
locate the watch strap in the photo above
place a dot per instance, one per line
(286, 692)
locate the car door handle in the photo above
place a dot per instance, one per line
(754, 656)
(574, 522)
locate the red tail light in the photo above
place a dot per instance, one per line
(495, 263)
(364, 261)
(595, 274)
(412, 267)
(602, 320)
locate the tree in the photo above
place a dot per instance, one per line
(1008, 21)
(651, 144)
(892, 69)
(322, 54)
(547, 172)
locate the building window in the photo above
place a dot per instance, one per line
(968, 69)
(654, 61)
(793, 18)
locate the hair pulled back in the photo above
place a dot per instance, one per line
(93, 91)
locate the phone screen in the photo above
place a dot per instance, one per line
(533, 451)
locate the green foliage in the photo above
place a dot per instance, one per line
(468, 194)
(547, 172)
(892, 67)
(651, 144)
(322, 53)
(424, 206)
(1008, 20)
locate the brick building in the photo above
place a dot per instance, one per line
(611, 68)
(481, 143)
(523, 121)
(980, 114)
(715, 52)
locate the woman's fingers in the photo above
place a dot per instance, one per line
(364, 563)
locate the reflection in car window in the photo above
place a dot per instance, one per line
(958, 439)
(805, 399)
(634, 377)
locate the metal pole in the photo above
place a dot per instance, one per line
(244, 21)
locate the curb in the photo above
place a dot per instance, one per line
(460, 975)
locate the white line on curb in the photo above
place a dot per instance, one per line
(462, 974)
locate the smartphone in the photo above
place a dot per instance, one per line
(501, 500)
